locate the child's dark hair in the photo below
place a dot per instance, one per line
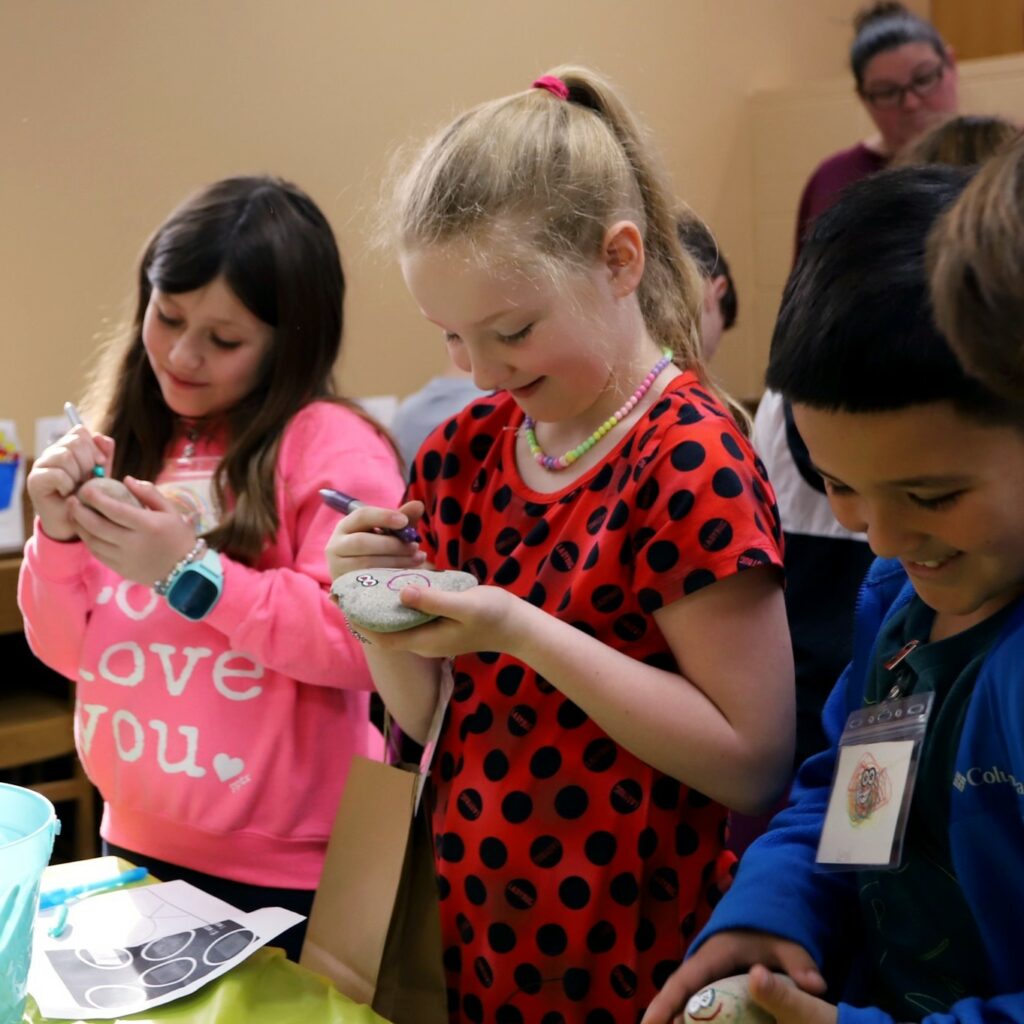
(696, 238)
(884, 26)
(855, 331)
(275, 250)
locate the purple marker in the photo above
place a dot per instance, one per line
(345, 503)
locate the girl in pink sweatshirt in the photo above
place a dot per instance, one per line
(220, 696)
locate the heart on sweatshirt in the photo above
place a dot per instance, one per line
(370, 597)
(227, 767)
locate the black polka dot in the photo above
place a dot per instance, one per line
(538, 535)
(472, 526)
(592, 557)
(659, 408)
(551, 939)
(662, 556)
(493, 853)
(599, 1017)
(516, 807)
(687, 840)
(695, 798)
(697, 579)
(451, 848)
(521, 719)
(623, 981)
(663, 885)
(752, 558)
(478, 722)
(509, 679)
(566, 600)
(626, 796)
(528, 979)
(451, 511)
(480, 445)
(574, 892)
(688, 455)
(552, 1017)
(650, 600)
(576, 983)
(545, 762)
(645, 935)
(680, 504)
(603, 478)
(571, 802)
(537, 595)
(473, 1008)
(726, 483)
(715, 534)
(596, 520)
(630, 627)
(546, 851)
(619, 516)
(501, 499)
(480, 410)
(570, 716)
(431, 465)
(624, 889)
(600, 848)
(665, 793)
(496, 766)
(476, 891)
(601, 937)
(508, 1014)
(688, 926)
(607, 598)
(444, 888)
(521, 893)
(689, 414)
(731, 445)
(647, 843)
(464, 928)
(641, 538)
(501, 937)
(452, 958)
(476, 567)
(565, 556)
(507, 541)
(482, 969)
(600, 754)
(508, 572)
(470, 804)
(447, 767)
(663, 971)
(647, 495)
(452, 552)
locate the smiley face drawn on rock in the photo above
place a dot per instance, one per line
(705, 1005)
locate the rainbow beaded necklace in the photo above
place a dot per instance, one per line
(565, 461)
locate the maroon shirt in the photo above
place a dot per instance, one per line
(831, 177)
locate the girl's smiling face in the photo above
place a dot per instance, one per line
(206, 348)
(934, 488)
(557, 348)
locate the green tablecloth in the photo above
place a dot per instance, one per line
(264, 989)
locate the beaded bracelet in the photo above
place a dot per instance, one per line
(162, 586)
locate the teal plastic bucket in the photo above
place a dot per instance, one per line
(27, 827)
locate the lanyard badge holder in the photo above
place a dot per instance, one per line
(873, 784)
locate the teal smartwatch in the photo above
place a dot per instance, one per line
(196, 586)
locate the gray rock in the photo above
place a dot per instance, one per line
(370, 597)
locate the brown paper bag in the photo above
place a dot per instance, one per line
(374, 929)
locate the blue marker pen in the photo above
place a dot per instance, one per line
(55, 897)
(75, 419)
(345, 503)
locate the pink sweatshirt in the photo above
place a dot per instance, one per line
(223, 745)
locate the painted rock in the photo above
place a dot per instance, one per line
(112, 488)
(370, 597)
(726, 1002)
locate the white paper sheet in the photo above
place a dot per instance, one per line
(129, 950)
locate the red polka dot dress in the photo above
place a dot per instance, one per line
(572, 874)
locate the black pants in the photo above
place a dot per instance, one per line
(238, 894)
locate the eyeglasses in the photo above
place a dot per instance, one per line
(890, 96)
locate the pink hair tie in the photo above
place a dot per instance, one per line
(554, 85)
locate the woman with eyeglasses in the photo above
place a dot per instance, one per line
(906, 78)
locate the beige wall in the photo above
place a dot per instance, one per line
(114, 109)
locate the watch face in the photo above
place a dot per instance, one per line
(193, 595)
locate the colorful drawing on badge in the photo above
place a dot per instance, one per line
(868, 791)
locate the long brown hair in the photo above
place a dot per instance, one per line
(275, 250)
(548, 178)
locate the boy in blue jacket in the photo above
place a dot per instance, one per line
(930, 464)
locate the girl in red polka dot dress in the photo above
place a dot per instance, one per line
(623, 672)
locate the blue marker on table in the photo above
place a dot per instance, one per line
(345, 503)
(55, 897)
(75, 419)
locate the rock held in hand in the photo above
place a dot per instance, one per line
(104, 485)
(727, 1001)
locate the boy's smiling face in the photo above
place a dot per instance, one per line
(941, 492)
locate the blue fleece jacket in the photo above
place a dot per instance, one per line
(778, 888)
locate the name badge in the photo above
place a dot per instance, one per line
(873, 785)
